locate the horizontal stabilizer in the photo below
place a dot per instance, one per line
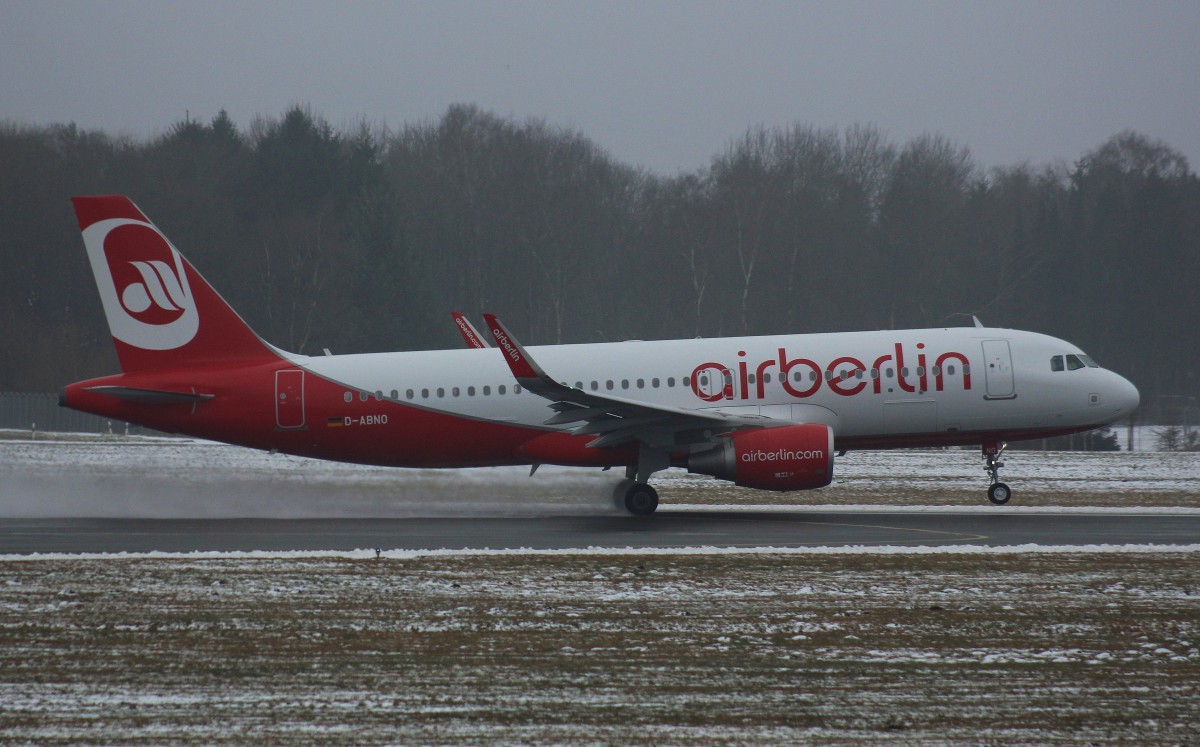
(150, 396)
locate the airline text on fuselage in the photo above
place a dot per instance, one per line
(844, 376)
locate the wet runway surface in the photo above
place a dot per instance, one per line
(671, 529)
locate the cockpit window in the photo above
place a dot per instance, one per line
(1087, 361)
(1056, 363)
(1073, 363)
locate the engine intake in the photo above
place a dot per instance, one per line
(791, 457)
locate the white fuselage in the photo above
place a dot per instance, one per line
(881, 388)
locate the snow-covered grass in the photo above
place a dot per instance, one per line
(703, 649)
(180, 479)
(703, 646)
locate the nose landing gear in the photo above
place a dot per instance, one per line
(998, 493)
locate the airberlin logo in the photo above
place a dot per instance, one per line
(509, 349)
(157, 292)
(845, 376)
(781, 455)
(142, 284)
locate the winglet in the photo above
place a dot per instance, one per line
(522, 366)
(468, 331)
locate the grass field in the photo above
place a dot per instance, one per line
(1071, 648)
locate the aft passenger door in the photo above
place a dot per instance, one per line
(289, 399)
(998, 370)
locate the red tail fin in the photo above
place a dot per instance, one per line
(161, 312)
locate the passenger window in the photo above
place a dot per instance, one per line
(641, 383)
(1056, 363)
(624, 383)
(671, 381)
(409, 394)
(950, 370)
(750, 378)
(500, 389)
(595, 386)
(424, 394)
(454, 391)
(487, 390)
(1073, 363)
(654, 383)
(874, 373)
(362, 396)
(608, 385)
(349, 396)
(686, 381)
(395, 394)
(441, 392)
(516, 388)
(579, 385)
(470, 391)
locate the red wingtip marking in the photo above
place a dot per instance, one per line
(514, 354)
(467, 331)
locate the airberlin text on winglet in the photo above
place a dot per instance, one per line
(843, 376)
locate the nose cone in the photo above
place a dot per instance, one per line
(1123, 396)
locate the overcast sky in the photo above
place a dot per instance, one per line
(665, 85)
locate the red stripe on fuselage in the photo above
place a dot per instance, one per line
(242, 411)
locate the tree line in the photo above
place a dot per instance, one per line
(365, 238)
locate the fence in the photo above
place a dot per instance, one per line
(29, 411)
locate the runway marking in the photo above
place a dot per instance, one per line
(734, 508)
(963, 538)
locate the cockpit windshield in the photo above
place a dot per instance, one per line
(1071, 362)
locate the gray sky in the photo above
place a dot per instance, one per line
(665, 85)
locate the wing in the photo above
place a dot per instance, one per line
(467, 330)
(615, 420)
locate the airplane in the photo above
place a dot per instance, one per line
(766, 412)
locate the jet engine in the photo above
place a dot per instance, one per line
(791, 457)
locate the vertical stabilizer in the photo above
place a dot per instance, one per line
(161, 312)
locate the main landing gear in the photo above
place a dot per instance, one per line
(637, 498)
(998, 493)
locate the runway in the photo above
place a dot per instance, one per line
(667, 529)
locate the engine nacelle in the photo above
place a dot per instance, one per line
(791, 457)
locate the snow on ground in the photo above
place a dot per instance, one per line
(1023, 645)
(914, 649)
(185, 479)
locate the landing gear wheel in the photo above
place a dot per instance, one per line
(641, 499)
(999, 493)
